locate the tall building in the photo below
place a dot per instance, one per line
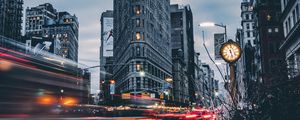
(207, 84)
(247, 22)
(142, 47)
(290, 20)
(106, 53)
(37, 17)
(183, 39)
(180, 79)
(269, 60)
(245, 36)
(45, 21)
(198, 84)
(241, 69)
(11, 18)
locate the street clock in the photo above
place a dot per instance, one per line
(230, 51)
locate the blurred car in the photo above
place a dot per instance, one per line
(199, 114)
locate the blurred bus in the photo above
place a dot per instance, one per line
(38, 82)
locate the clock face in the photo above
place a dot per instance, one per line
(230, 51)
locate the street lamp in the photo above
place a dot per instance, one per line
(211, 24)
(207, 24)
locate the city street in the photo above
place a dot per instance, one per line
(150, 59)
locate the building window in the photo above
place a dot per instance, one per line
(286, 28)
(247, 16)
(138, 66)
(138, 82)
(143, 51)
(248, 34)
(248, 26)
(294, 17)
(269, 30)
(137, 10)
(138, 22)
(142, 23)
(289, 23)
(138, 36)
(138, 51)
(284, 2)
(297, 12)
(276, 29)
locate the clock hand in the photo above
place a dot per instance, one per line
(231, 53)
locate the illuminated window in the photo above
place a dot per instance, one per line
(138, 36)
(269, 30)
(138, 67)
(68, 20)
(269, 17)
(137, 10)
(276, 30)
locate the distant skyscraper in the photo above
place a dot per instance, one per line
(11, 18)
(180, 78)
(142, 43)
(198, 79)
(207, 83)
(37, 18)
(247, 22)
(45, 21)
(106, 53)
(246, 38)
(183, 39)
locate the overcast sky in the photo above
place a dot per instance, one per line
(89, 12)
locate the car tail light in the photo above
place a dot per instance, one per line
(190, 116)
(206, 116)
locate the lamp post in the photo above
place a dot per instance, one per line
(230, 51)
(211, 24)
